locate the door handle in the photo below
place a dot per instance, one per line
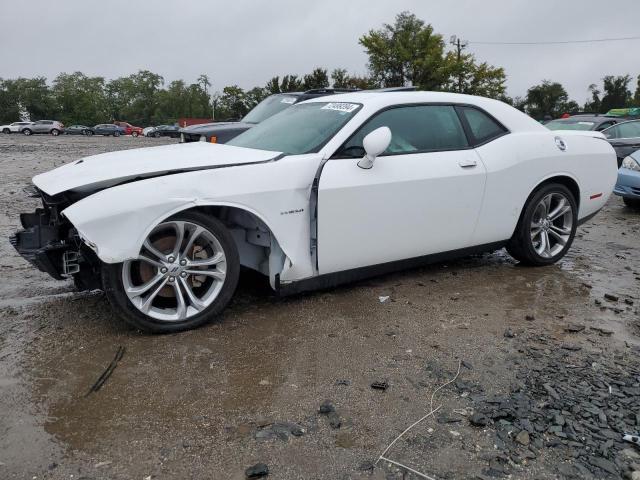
(467, 163)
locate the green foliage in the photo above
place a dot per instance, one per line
(342, 79)
(405, 53)
(409, 52)
(636, 97)
(616, 92)
(549, 99)
(466, 75)
(316, 79)
(595, 104)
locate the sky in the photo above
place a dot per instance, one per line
(246, 42)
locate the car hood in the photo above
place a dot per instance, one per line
(107, 169)
(218, 127)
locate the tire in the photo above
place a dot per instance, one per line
(163, 293)
(55, 132)
(27, 131)
(631, 202)
(134, 134)
(88, 132)
(117, 134)
(530, 248)
(6, 131)
(156, 135)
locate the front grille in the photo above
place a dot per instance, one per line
(635, 190)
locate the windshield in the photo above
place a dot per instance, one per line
(564, 125)
(269, 107)
(304, 128)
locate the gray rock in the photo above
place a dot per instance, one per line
(256, 471)
(604, 464)
(327, 407)
(479, 420)
(523, 438)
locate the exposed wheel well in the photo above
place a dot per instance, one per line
(257, 246)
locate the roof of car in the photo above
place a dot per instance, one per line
(585, 118)
(376, 100)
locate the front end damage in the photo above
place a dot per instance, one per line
(50, 243)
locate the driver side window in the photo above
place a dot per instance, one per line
(414, 129)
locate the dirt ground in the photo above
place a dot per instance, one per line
(209, 403)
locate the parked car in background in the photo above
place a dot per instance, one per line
(78, 130)
(628, 184)
(44, 126)
(222, 132)
(587, 122)
(624, 138)
(107, 129)
(129, 129)
(172, 131)
(325, 192)
(15, 127)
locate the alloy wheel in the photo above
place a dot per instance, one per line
(551, 225)
(179, 272)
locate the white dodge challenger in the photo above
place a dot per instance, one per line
(330, 190)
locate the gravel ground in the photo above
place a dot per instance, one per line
(548, 373)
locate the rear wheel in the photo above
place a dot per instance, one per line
(184, 276)
(134, 134)
(55, 132)
(27, 131)
(547, 226)
(88, 132)
(6, 130)
(117, 134)
(631, 202)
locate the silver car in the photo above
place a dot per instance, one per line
(44, 126)
(15, 127)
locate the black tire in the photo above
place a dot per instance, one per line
(114, 289)
(134, 134)
(6, 130)
(55, 132)
(156, 135)
(521, 246)
(88, 132)
(27, 131)
(631, 202)
(117, 134)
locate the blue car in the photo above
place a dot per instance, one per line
(628, 185)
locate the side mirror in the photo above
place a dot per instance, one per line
(375, 144)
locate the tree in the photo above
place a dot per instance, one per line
(548, 99)
(80, 99)
(316, 79)
(465, 75)
(405, 53)
(636, 97)
(595, 104)
(616, 92)
(232, 103)
(342, 79)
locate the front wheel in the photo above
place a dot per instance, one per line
(27, 131)
(6, 130)
(631, 202)
(546, 228)
(117, 134)
(55, 132)
(134, 134)
(184, 276)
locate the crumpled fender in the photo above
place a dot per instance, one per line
(115, 221)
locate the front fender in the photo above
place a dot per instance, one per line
(116, 221)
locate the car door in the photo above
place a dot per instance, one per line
(624, 138)
(422, 196)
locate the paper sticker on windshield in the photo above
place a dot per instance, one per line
(585, 123)
(289, 100)
(341, 107)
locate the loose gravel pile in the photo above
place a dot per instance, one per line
(567, 403)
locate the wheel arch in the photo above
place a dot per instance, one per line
(563, 179)
(257, 245)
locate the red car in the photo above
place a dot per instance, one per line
(129, 129)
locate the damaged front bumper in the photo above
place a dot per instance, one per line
(51, 244)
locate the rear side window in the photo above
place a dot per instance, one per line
(629, 130)
(482, 126)
(416, 128)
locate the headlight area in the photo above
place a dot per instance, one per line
(630, 164)
(51, 243)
